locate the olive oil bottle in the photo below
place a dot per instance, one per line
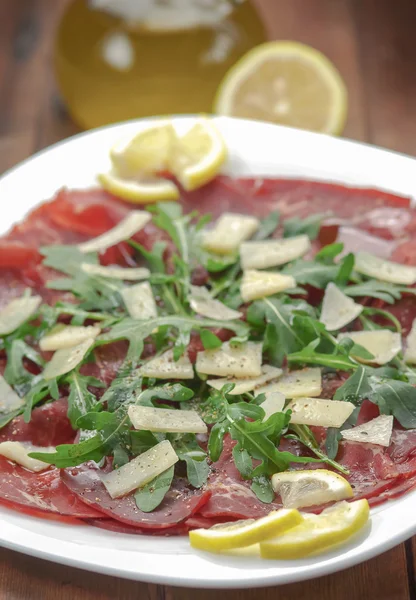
(112, 66)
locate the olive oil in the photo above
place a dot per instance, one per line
(109, 70)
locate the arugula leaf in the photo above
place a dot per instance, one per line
(333, 436)
(173, 392)
(209, 340)
(356, 388)
(268, 225)
(329, 252)
(136, 331)
(309, 226)
(303, 434)
(397, 398)
(281, 337)
(96, 293)
(388, 292)
(141, 441)
(152, 494)
(256, 439)
(39, 390)
(124, 388)
(309, 356)
(345, 270)
(15, 373)
(314, 273)
(80, 399)
(262, 487)
(187, 448)
(71, 455)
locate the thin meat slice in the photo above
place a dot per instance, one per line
(180, 502)
(41, 491)
(49, 426)
(231, 496)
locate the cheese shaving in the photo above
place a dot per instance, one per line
(410, 352)
(377, 431)
(17, 312)
(127, 274)
(165, 420)
(9, 400)
(242, 386)
(383, 344)
(228, 233)
(131, 224)
(296, 384)
(204, 304)
(338, 309)
(18, 452)
(66, 359)
(139, 301)
(384, 270)
(165, 367)
(319, 412)
(258, 284)
(66, 336)
(272, 253)
(140, 470)
(241, 361)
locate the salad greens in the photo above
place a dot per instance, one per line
(287, 324)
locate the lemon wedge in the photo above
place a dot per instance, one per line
(198, 156)
(148, 152)
(298, 489)
(287, 83)
(239, 534)
(317, 533)
(138, 191)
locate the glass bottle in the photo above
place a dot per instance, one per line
(123, 59)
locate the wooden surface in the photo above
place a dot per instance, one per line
(373, 44)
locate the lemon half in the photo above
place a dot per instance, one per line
(286, 83)
(317, 533)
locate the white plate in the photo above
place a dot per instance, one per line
(255, 149)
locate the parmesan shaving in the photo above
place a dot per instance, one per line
(9, 400)
(319, 412)
(17, 312)
(140, 470)
(274, 403)
(67, 336)
(204, 304)
(228, 233)
(241, 361)
(258, 284)
(127, 274)
(384, 270)
(296, 384)
(166, 420)
(18, 452)
(66, 359)
(165, 367)
(131, 224)
(242, 386)
(139, 301)
(377, 431)
(383, 344)
(338, 309)
(272, 253)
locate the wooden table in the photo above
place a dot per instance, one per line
(372, 43)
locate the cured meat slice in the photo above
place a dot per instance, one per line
(49, 426)
(179, 503)
(231, 496)
(40, 491)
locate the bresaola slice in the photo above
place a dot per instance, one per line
(41, 491)
(179, 503)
